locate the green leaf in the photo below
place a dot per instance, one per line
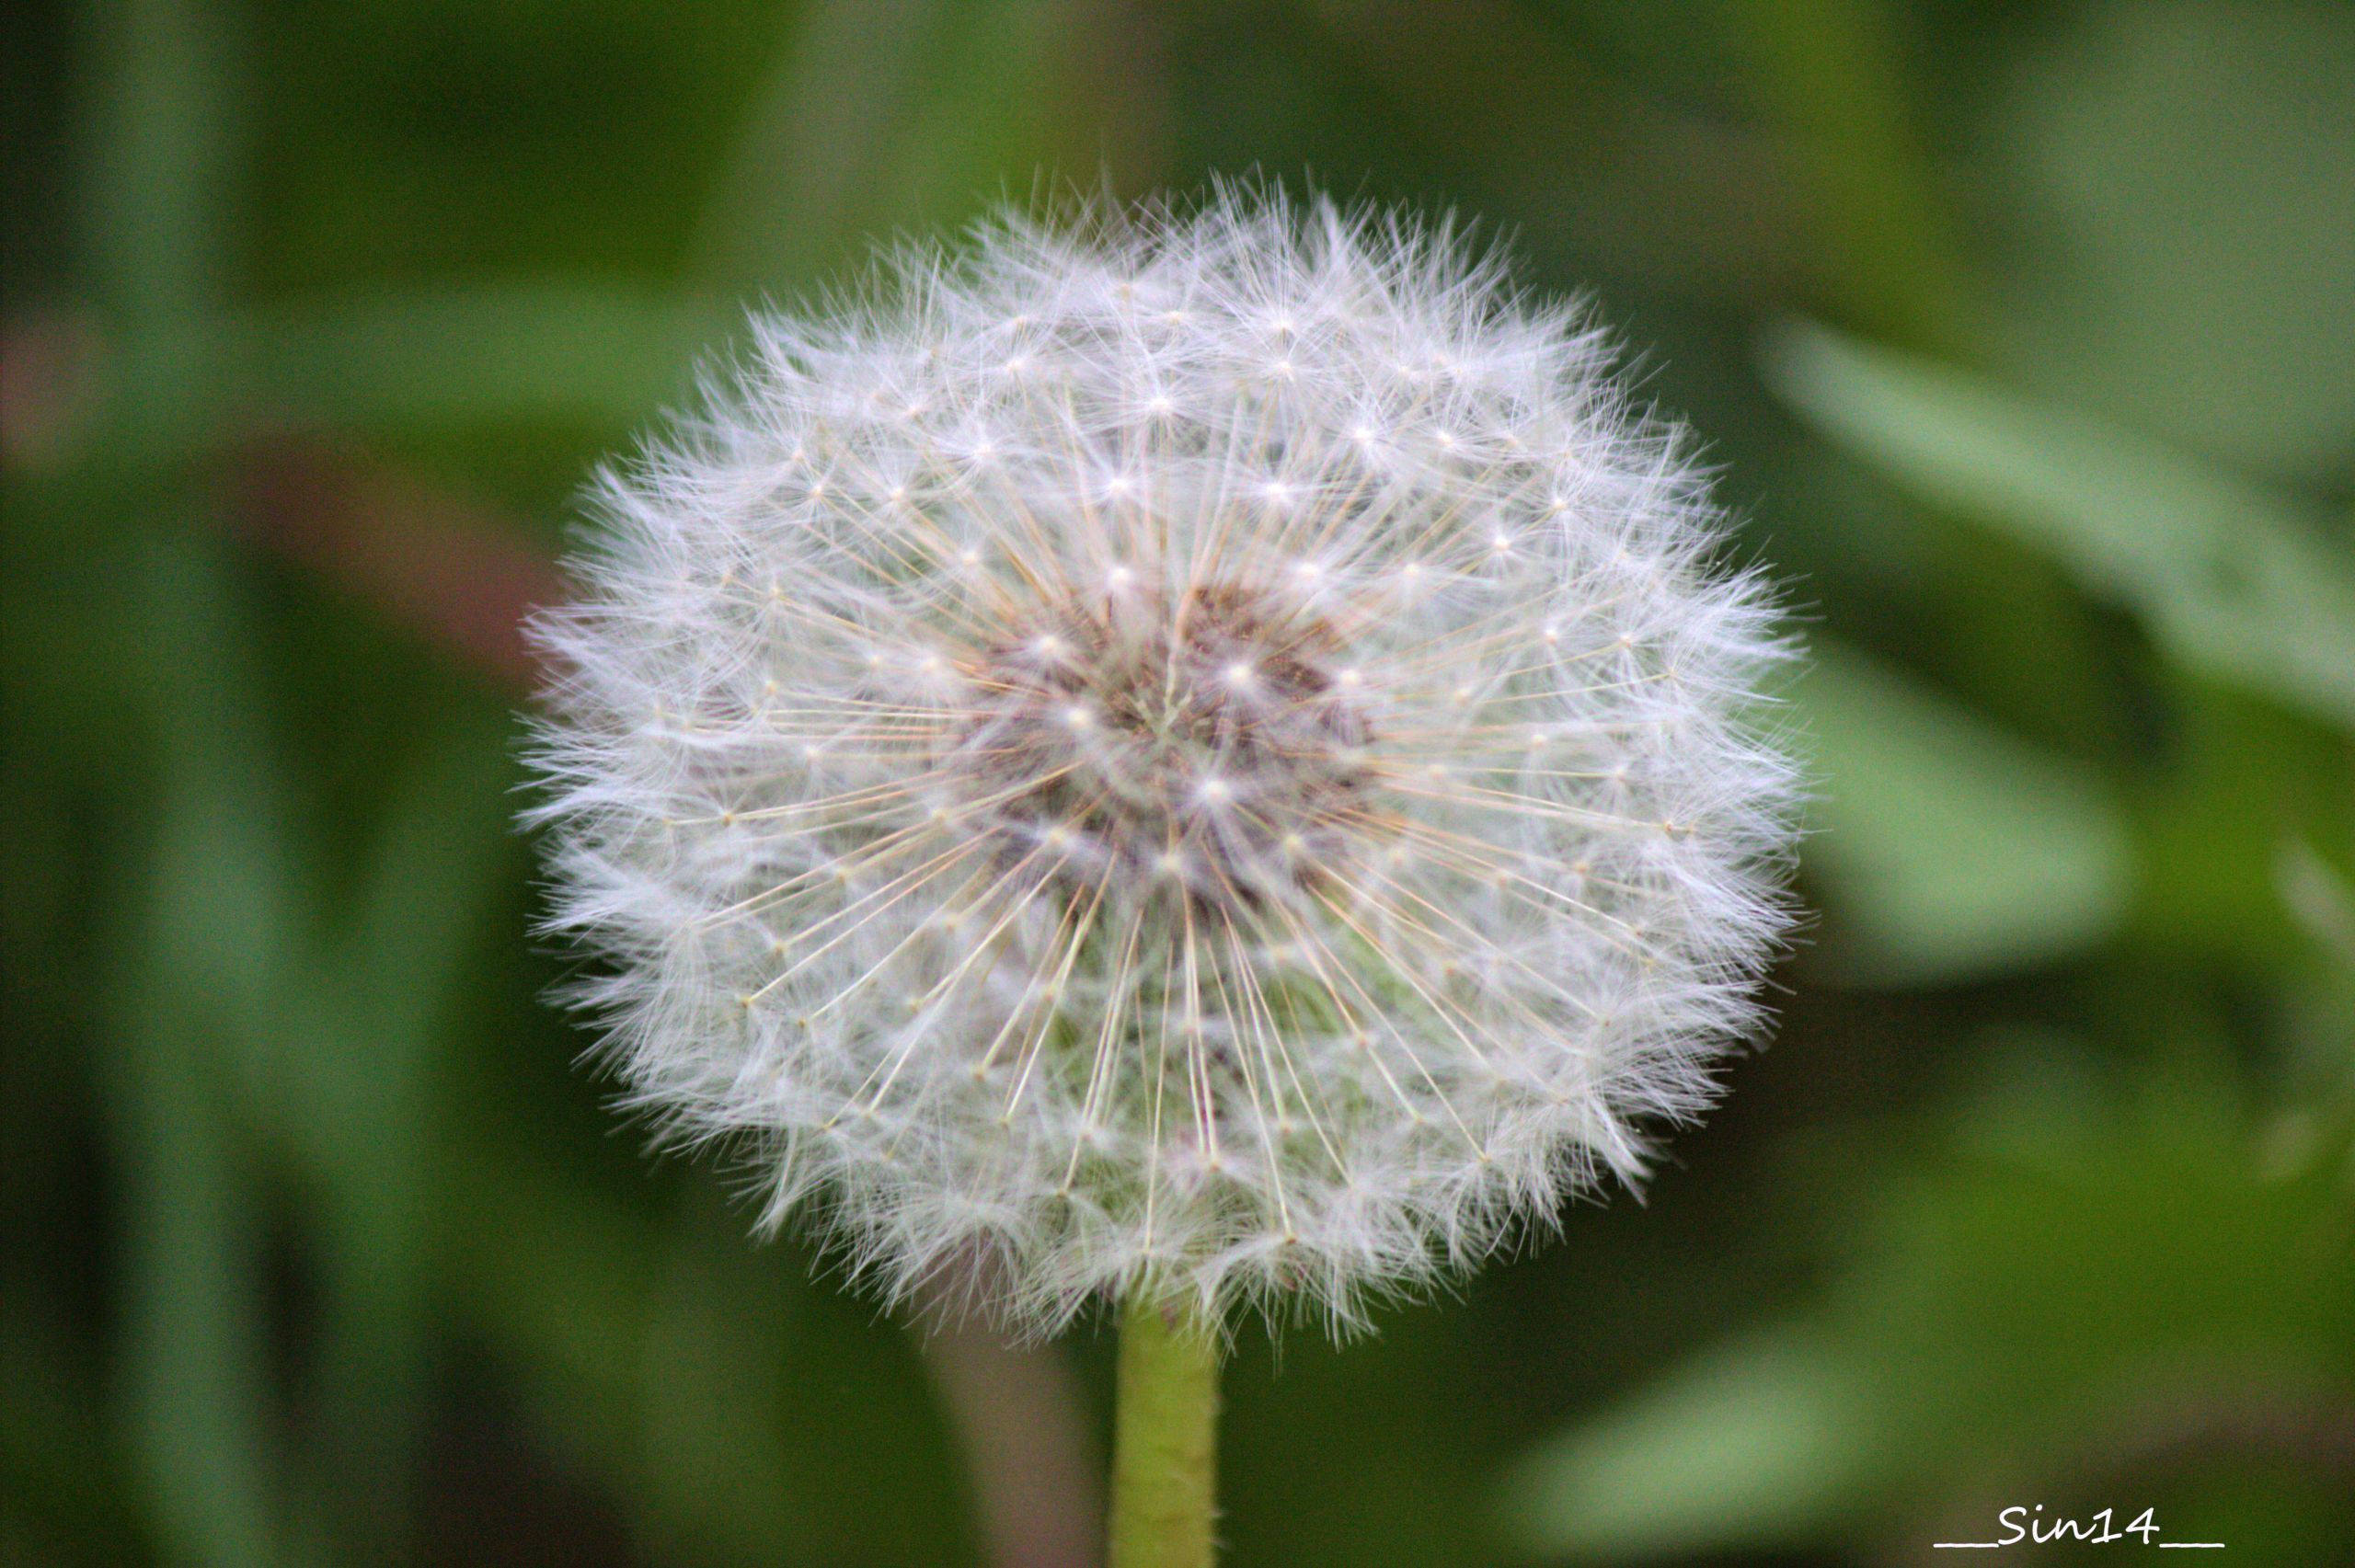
(2232, 581)
(2177, 181)
(1750, 1446)
(2087, 1301)
(1947, 848)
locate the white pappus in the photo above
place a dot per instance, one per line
(1199, 752)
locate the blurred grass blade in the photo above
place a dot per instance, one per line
(910, 114)
(162, 134)
(464, 356)
(206, 936)
(202, 925)
(2229, 579)
(1947, 848)
(1593, 162)
(669, 1386)
(1016, 91)
(1833, 74)
(225, 868)
(557, 1280)
(739, 1413)
(712, 1364)
(1752, 1446)
(68, 1498)
(437, 362)
(820, 142)
(195, 1373)
(360, 1113)
(2321, 899)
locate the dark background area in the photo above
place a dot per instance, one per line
(2024, 336)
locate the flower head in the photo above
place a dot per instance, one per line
(1203, 754)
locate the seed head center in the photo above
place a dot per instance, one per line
(1202, 739)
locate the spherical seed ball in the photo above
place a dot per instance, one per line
(1198, 753)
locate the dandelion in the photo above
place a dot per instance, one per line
(1202, 760)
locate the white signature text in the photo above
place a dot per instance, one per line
(2028, 1526)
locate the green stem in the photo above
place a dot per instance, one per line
(1165, 1457)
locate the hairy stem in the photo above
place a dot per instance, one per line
(1165, 1440)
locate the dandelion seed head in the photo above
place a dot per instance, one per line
(1202, 752)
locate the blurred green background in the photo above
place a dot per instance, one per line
(2024, 333)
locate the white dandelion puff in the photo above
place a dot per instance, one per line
(1203, 755)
